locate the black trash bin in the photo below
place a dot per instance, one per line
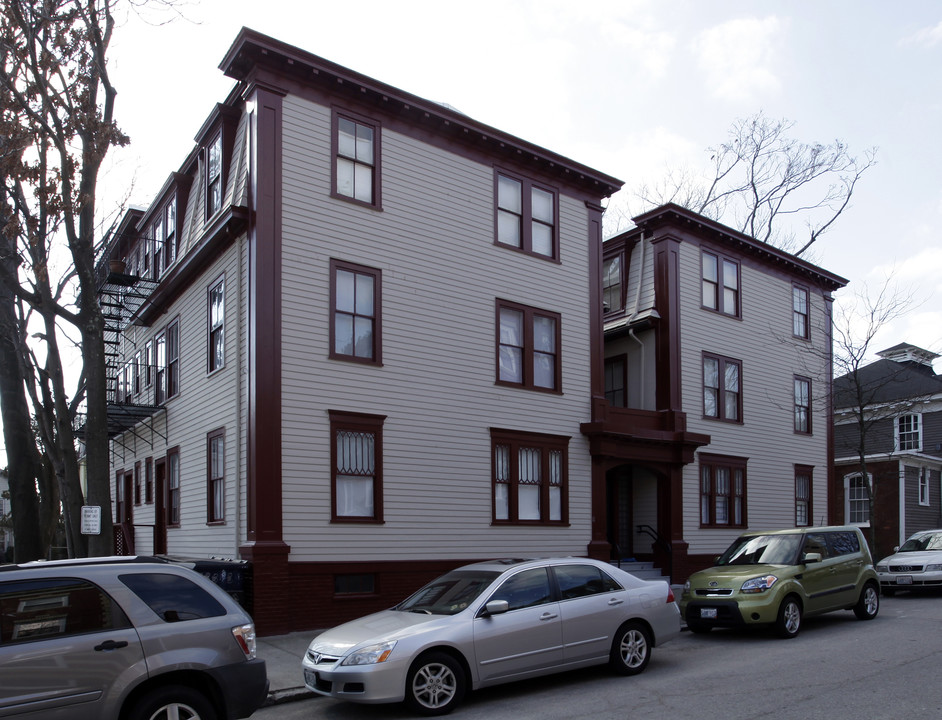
(233, 576)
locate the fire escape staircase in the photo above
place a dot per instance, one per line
(131, 400)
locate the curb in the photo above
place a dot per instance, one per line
(286, 695)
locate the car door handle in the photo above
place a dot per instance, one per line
(548, 616)
(111, 645)
(615, 601)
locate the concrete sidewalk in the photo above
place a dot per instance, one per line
(282, 655)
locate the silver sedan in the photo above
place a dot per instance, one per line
(916, 564)
(491, 623)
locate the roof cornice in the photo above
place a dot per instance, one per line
(677, 216)
(252, 50)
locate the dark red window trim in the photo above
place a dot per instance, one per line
(526, 214)
(720, 284)
(174, 495)
(805, 470)
(377, 275)
(721, 396)
(712, 462)
(513, 441)
(212, 481)
(528, 349)
(805, 408)
(217, 331)
(343, 421)
(805, 316)
(336, 115)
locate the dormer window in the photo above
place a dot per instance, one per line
(170, 244)
(158, 235)
(214, 176)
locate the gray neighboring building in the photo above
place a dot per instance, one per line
(901, 398)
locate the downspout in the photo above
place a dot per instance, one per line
(631, 318)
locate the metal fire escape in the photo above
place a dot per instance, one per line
(130, 398)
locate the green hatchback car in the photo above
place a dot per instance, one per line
(777, 578)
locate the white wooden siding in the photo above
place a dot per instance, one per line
(762, 340)
(441, 276)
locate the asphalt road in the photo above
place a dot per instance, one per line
(838, 668)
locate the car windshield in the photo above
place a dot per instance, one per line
(449, 594)
(763, 550)
(932, 541)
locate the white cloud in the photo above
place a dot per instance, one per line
(927, 37)
(738, 57)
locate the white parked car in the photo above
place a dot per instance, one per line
(917, 563)
(490, 623)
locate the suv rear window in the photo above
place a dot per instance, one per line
(172, 597)
(55, 607)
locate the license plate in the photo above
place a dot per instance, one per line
(904, 579)
(708, 613)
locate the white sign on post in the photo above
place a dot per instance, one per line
(91, 520)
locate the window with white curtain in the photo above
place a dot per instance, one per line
(722, 491)
(529, 477)
(528, 347)
(356, 459)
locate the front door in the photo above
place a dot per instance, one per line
(160, 513)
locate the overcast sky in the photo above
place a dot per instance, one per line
(624, 86)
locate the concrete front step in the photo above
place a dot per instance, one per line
(643, 570)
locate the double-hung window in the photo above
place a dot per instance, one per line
(173, 359)
(216, 349)
(530, 477)
(173, 487)
(803, 509)
(722, 388)
(612, 285)
(216, 476)
(720, 280)
(214, 176)
(722, 491)
(160, 368)
(356, 151)
(615, 381)
(923, 486)
(159, 237)
(800, 312)
(527, 216)
(857, 507)
(356, 456)
(802, 405)
(909, 432)
(528, 347)
(356, 301)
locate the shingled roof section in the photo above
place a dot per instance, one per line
(907, 376)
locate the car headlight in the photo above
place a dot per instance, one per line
(881, 568)
(370, 655)
(687, 587)
(759, 584)
(933, 568)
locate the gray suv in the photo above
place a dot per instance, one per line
(111, 638)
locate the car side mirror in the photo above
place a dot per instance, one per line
(496, 607)
(811, 558)
(896, 549)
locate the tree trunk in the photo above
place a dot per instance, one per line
(18, 435)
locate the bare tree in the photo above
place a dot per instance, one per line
(762, 181)
(56, 114)
(868, 399)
